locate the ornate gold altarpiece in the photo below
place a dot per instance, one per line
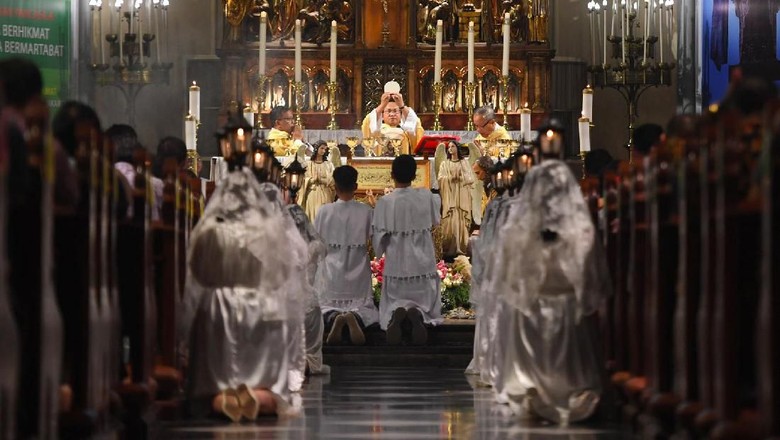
(374, 174)
(380, 40)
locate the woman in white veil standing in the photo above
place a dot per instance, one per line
(551, 269)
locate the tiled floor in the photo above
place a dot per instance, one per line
(391, 403)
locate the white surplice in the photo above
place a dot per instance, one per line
(237, 308)
(401, 231)
(343, 280)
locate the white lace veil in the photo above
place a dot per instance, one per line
(550, 200)
(241, 242)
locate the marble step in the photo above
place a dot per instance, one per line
(449, 345)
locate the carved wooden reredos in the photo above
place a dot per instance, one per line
(368, 57)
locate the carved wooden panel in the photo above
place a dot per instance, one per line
(374, 174)
(374, 78)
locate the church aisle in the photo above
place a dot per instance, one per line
(391, 403)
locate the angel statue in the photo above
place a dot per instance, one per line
(456, 179)
(318, 186)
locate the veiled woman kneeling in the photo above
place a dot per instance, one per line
(237, 309)
(551, 269)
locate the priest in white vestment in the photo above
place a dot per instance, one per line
(344, 278)
(392, 119)
(551, 271)
(401, 231)
(237, 308)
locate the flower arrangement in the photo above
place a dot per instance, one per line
(455, 278)
(377, 269)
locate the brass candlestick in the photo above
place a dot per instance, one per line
(470, 88)
(582, 158)
(332, 125)
(193, 158)
(437, 87)
(505, 99)
(261, 80)
(298, 90)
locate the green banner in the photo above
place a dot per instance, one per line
(40, 30)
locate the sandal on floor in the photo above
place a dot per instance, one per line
(231, 406)
(248, 402)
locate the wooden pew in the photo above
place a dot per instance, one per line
(686, 358)
(136, 289)
(81, 249)
(32, 288)
(768, 330)
(624, 322)
(636, 290)
(9, 335)
(616, 357)
(709, 182)
(738, 218)
(169, 288)
(658, 416)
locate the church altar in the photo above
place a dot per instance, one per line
(340, 136)
(374, 173)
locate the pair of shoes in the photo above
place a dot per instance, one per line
(248, 402)
(419, 332)
(334, 337)
(355, 333)
(393, 332)
(231, 405)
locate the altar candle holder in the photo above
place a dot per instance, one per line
(505, 99)
(261, 80)
(332, 125)
(437, 88)
(470, 89)
(298, 88)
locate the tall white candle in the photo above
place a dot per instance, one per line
(157, 37)
(471, 53)
(525, 123)
(505, 59)
(604, 11)
(614, 13)
(189, 131)
(334, 35)
(140, 35)
(261, 49)
(592, 33)
(298, 51)
(120, 35)
(661, 31)
(195, 101)
(623, 31)
(587, 102)
(100, 35)
(647, 31)
(584, 129)
(437, 54)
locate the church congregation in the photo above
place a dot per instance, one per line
(391, 231)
